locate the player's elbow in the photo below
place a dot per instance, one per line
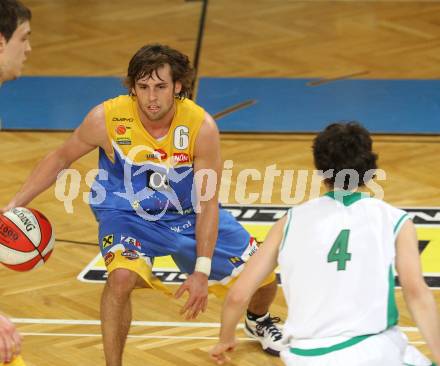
(58, 159)
(415, 289)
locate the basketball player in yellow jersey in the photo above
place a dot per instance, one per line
(14, 47)
(156, 147)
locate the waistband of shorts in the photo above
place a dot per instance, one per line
(183, 211)
(325, 350)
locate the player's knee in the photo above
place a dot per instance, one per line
(121, 282)
(237, 298)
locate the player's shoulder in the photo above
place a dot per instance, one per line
(311, 204)
(189, 112)
(209, 124)
(377, 207)
(208, 129)
(188, 104)
(208, 137)
(96, 116)
(93, 129)
(332, 200)
(377, 202)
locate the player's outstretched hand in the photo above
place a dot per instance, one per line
(218, 352)
(197, 286)
(5, 208)
(10, 340)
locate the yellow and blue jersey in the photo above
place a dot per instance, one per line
(143, 197)
(144, 173)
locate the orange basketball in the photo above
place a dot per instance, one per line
(26, 239)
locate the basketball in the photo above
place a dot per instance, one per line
(26, 239)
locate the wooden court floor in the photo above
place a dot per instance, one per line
(57, 313)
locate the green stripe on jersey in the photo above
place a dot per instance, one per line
(392, 312)
(325, 350)
(400, 223)
(345, 198)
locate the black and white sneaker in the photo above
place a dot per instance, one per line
(266, 331)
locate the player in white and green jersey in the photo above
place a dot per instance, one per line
(336, 255)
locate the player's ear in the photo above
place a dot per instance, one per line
(177, 87)
(2, 43)
(133, 92)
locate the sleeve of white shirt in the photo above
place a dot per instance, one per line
(398, 218)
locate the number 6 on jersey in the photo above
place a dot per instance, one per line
(181, 138)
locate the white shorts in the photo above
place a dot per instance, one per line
(388, 348)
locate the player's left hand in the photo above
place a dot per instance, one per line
(197, 286)
(218, 352)
(6, 208)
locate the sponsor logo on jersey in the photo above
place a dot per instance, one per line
(123, 135)
(157, 181)
(180, 158)
(123, 141)
(122, 119)
(236, 261)
(250, 250)
(157, 154)
(121, 129)
(125, 239)
(107, 241)
(130, 254)
(180, 228)
(109, 258)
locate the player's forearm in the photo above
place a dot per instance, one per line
(207, 228)
(423, 308)
(41, 178)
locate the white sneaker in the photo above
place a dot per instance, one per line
(266, 331)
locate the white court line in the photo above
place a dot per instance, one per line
(138, 323)
(409, 329)
(129, 336)
(146, 336)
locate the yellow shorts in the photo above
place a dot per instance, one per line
(129, 241)
(143, 267)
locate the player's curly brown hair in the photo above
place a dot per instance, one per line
(153, 56)
(12, 14)
(345, 146)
